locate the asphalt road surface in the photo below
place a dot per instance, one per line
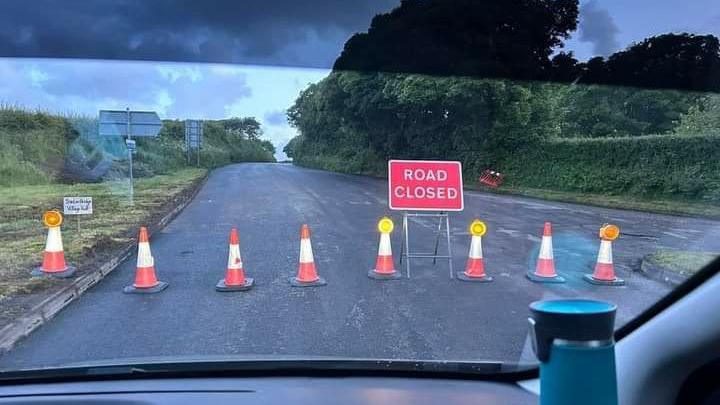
(429, 316)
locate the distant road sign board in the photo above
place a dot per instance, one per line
(131, 145)
(77, 205)
(142, 123)
(193, 134)
(425, 185)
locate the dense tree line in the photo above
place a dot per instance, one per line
(517, 40)
(477, 81)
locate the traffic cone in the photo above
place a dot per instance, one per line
(307, 274)
(53, 263)
(475, 268)
(145, 280)
(604, 273)
(235, 276)
(384, 266)
(545, 267)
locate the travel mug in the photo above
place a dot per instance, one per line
(573, 339)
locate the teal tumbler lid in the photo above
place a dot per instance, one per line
(573, 320)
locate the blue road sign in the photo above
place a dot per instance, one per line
(129, 123)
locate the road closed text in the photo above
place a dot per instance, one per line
(425, 185)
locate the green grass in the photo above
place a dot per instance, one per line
(662, 206)
(113, 223)
(681, 261)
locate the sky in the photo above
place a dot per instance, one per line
(270, 50)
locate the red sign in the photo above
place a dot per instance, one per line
(425, 185)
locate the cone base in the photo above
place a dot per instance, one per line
(222, 287)
(384, 276)
(464, 277)
(592, 280)
(67, 273)
(297, 283)
(131, 289)
(538, 279)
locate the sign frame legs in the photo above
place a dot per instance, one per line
(405, 253)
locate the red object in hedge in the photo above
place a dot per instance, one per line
(491, 178)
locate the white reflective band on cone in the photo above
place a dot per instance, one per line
(234, 259)
(546, 248)
(385, 249)
(144, 258)
(605, 253)
(306, 254)
(54, 240)
(476, 248)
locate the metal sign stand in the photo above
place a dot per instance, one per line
(129, 124)
(193, 138)
(130, 159)
(405, 246)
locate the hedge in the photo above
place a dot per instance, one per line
(684, 167)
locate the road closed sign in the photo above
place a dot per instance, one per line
(425, 185)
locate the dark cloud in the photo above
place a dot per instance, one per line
(307, 33)
(598, 27)
(276, 118)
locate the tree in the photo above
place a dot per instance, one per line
(702, 118)
(246, 127)
(290, 147)
(602, 111)
(488, 38)
(673, 61)
(268, 146)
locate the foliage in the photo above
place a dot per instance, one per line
(488, 38)
(416, 116)
(41, 148)
(353, 122)
(515, 40)
(674, 61)
(247, 127)
(467, 109)
(702, 118)
(683, 167)
(32, 145)
(601, 111)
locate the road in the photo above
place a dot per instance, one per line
(428, 316)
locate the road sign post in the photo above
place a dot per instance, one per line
(422, 185)
(128, 124)
(193, 138)
(77, 206)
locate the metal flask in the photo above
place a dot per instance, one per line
(573, 339)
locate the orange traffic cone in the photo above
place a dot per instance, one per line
(384, 267)
(53, 263)
(604, 269)
(475, 268)
(235, 276)
(145, 280)
(307, 275)
(545, 267)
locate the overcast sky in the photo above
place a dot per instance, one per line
(305, 36)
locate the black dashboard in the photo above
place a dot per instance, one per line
(270, 390)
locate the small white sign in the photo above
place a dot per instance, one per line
(77, 205)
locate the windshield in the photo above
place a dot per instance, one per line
(317, 180)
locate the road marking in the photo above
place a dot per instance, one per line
(510, 232)
(674, 235)
(533, 238)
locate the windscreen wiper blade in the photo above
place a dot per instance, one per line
(275, 367)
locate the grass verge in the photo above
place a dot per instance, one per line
(683, 262)
(673, 207)
(113, 224)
